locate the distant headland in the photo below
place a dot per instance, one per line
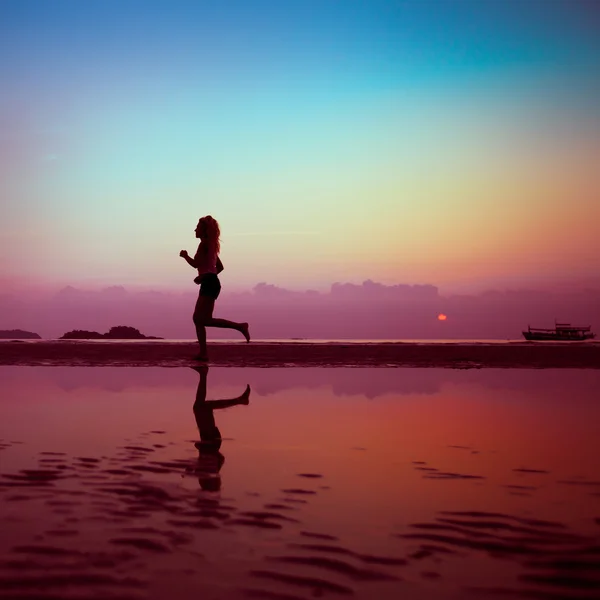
(18, 334)
(120, 332)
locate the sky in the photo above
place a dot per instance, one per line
(454, 143)
(346, 311)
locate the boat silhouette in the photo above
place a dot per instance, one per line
(562, 332)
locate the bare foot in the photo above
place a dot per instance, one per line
(245, 397)
(245, 331)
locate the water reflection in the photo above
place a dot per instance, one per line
(342, 382)
(490, 486)
(210, 458)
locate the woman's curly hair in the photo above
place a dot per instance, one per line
(210, 233)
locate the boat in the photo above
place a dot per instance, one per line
(562, 332)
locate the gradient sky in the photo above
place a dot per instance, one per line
(448, 142)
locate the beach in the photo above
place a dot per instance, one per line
(428, 484)
(300, 300)
(294, 470)
(299, 354)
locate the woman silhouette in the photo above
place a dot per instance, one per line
(209, 265)
(210, 459)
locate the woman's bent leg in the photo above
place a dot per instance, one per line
(225, 324)
(203, 318)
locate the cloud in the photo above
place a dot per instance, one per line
(347, 311)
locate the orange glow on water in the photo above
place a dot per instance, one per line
(442, 317)
(377, 435)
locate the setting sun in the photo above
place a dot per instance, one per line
(442, 317)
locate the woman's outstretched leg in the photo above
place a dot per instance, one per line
(201, 335)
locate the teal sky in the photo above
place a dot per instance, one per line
(431, 141)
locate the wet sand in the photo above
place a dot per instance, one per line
(322, 486)
(278, 354)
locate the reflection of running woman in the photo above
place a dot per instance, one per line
(210, 459)
(209, 265)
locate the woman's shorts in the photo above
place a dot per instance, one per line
(210, 286)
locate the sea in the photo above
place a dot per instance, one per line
(293, 484)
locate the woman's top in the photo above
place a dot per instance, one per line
(205, 259)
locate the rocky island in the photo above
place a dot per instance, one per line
(18, 334)
(120, 332)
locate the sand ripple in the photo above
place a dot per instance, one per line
(100, 527)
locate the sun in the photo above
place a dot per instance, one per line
(442, 317)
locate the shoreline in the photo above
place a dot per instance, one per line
(528, 355)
